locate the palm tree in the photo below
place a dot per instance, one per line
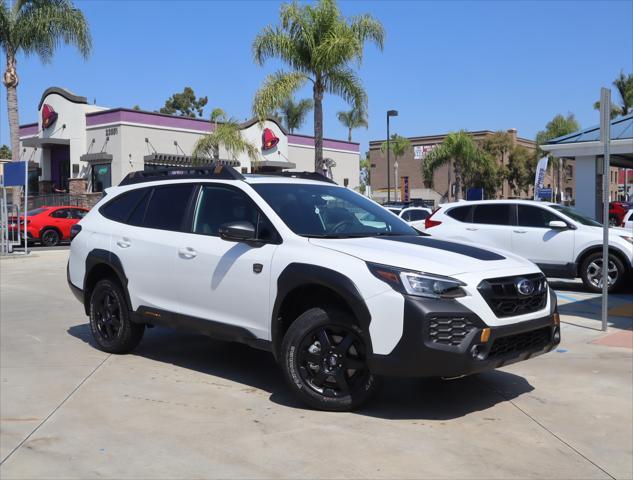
(354, 118)
(36, 27)
(459, 149)
(294, 114)
(227, 134)
(318, 44)
(398, 146)
(624, 85)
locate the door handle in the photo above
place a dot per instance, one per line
(187, 253)
(472, 229)
(124, 242)
(519, 231)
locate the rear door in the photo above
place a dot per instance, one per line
(533, 239)
(61, 219)
(491, 225)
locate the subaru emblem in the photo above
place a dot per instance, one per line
(525, 286)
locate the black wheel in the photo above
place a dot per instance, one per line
(324, 359)
(591, 272)
(50, 237)
(110, 321)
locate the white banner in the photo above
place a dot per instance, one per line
(541, 169)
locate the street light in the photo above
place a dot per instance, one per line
(390, 113)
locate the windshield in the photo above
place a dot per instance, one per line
(328, 211)
(575, 215)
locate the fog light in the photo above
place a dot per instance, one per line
(474, 351)
(557, 336)
(556, 318)
(485, 335)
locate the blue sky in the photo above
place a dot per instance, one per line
(446, 65)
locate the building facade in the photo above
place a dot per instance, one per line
(443, 190)
(75, 146)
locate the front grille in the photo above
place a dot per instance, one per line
(449, 330)
(505, 299)
(520, 342)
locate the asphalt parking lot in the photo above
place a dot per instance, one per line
(186, 406)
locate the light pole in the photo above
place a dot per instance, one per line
(390, 113)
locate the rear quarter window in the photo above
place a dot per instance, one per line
(459, 213)
(121, 206)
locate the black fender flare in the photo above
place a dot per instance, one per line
(299, 274)
(98, 257)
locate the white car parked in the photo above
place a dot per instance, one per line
(414, 216)
(627, 224)
(338, 289)
(561, 241)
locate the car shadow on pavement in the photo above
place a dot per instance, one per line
(401, 398)
(591, 309)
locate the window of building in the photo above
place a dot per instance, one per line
(535, 216)
(218, 205)
(494, 214)
(570, 172)
(460, 213)
(167, 207)
(101, 177)
(569, 193)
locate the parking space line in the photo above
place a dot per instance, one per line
(55, 409)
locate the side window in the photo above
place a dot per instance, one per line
(167, 207)
(138, 214)
(416, 215)
(120, 207)
(61, 213)
(406, 216)
(535, 217)
(78, 214)
(460, 213)
(218, 205)
(493, 214)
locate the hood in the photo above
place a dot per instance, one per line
(425, 254)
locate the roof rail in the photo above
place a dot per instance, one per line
(217, 170)
(316, 176)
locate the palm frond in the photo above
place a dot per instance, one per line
(227, 135)
(276, 88)
(365, 27)
(344, 83)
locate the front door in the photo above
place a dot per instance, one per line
(60, 168)
(491, 225)
(226, 281)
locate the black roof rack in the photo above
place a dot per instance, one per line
(316, 176)
(218, 170)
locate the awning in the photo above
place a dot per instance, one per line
(38, 142)
(100, 157)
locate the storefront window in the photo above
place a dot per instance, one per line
(101, 177)
(34, 183)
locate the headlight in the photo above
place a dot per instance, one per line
(628, 239)
(418, 283)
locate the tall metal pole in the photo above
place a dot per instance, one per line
(605, 136)
(26, 206)
(388, 166)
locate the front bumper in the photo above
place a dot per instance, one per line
(420, 354)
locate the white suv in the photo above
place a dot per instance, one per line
(561, 241)
(337, 288)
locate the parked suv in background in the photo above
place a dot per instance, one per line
(337, 288)
(561, 241)
(48, 225)
(414, 216)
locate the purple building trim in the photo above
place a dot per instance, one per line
(147, 118)
(327, 143)
(28, 129)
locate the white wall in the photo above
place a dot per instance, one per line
(347, 163)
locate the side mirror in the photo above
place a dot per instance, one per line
(558, 224)
(237, 231)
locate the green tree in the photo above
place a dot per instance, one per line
(520, 170)
(36, 27)
(5, 152)
(624, 86)
(185, 104)
(136, 107)
(227, 134)
(557, 127)
(365, 173)
(485, 173)
(458, 149)
(498, 144)
(217, 115)
(354, 118)
(318, 44)
(294, 114)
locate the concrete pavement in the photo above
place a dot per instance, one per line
(185, 406)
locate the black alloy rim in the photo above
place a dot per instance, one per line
(49, 237)
(108, 316)
(332, 361)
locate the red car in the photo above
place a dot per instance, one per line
(49, 225)
(617, 211)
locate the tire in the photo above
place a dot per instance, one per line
(110, 323)
(50, 237)
(591, 275)
(314, 374)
